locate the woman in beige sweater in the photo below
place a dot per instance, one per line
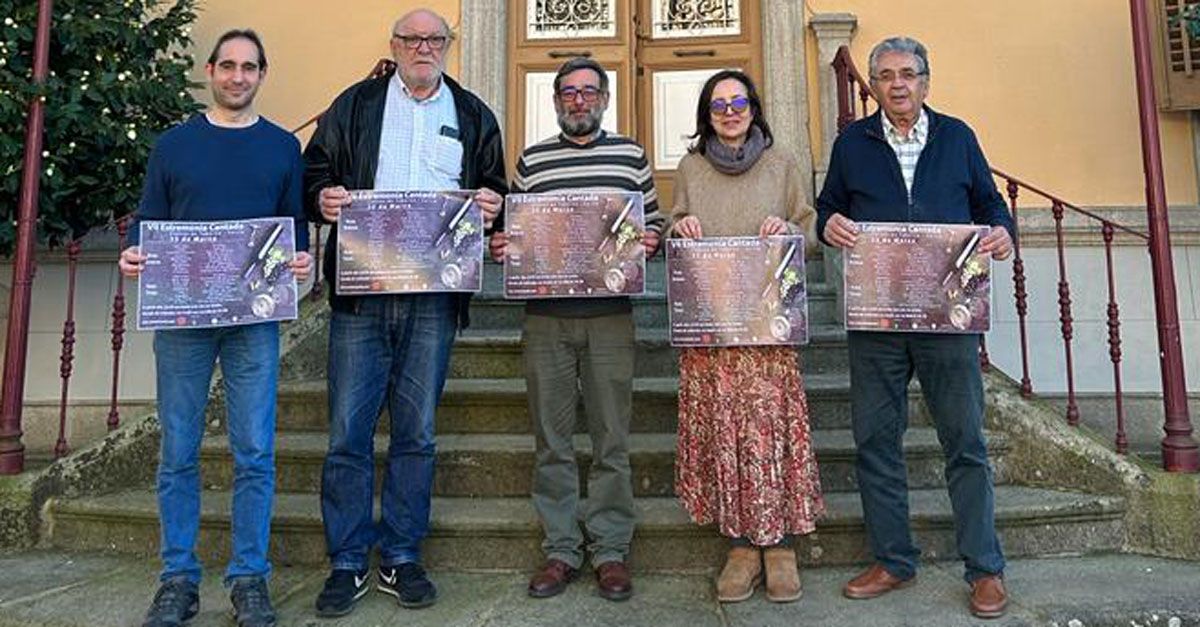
(745, 459)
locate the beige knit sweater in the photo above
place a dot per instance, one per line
(731, 205)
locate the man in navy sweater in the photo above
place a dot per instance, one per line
(227, 164)
(908, 163)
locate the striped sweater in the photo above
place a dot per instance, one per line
(610, 162)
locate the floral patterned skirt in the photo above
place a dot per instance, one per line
(745, 458)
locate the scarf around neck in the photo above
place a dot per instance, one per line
(727, 160)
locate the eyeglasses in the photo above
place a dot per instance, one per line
(907, 75)
(413, 42)
(739, 104)
(590, 94)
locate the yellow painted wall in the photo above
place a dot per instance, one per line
(1048, 85)
(315, 48)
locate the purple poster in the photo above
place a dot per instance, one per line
(918, 277)
(392, 242)
(737, 291)
(574, 245)
(216, 274)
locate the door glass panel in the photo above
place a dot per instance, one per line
(675, 96)
(571, 19)
(541, 121)
(696, 18)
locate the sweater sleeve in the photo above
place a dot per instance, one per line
(654, 218)
(291, 202)
(681, 207)
(801, 217)
(156, 199)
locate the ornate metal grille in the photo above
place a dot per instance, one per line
(696, 18)
(571, 19)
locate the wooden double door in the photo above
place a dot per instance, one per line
(658, 54)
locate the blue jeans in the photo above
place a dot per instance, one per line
(881, 365)
(395, 348)
(184, 360)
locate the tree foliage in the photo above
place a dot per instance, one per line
(118, 77)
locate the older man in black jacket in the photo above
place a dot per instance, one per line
(414, 129)
(908, 163)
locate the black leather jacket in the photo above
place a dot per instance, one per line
(344, 150)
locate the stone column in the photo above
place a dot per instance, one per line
(833, 30)
(786, 87)
(483, 41)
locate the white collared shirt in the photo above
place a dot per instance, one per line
(907, 149)
(419, 147)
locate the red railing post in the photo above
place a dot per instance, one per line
(1180, 451)
(1064, 312)
(12, 391)
(845, 99)
(1114, 339)
(67, 358)
(1019, 291)
(118, 331)
(318, 286)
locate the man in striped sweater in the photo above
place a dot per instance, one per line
(583, 344)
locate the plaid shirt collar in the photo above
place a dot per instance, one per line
(918, 134)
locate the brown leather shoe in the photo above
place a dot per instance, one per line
(988, 598)
(613, 581)
(873, 582)
(552, 579)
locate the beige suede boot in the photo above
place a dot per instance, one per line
(783, 575)
(741, 575)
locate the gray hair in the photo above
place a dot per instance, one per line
(904, 45)
(445, 25)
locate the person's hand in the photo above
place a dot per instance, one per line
(689, 227)
(997, 243)
(841, 231)
(489, 205)
(498, 246)
(773, 225)
(650, 241)
(331, 200)
(132, 262)
(301, 266)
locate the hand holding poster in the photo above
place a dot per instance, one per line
(215, 274)
(577, 244)
(737, 291)
(392, 242)
(918, 277)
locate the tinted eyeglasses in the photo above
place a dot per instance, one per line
(720, 106)
(413, 42)
(590, 94)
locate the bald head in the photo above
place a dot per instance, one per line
(423, 16)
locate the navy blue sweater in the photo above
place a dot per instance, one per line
(952, 183)
(202, 172)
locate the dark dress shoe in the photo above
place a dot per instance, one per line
(614, 582)
(552, 579)
(873, 582)
(988, 598)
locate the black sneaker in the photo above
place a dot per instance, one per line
(176, 602)
(409, 584)
(342, 589)
(252, 603)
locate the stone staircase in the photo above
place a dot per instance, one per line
(482, 517)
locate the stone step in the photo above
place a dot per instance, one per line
(504, 533)
(492, 465)
(501, 406)
(492, 312)
(496, 354)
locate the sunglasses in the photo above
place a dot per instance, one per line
(739, 104)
